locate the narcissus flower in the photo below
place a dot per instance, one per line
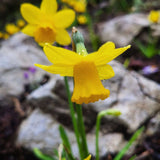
(87, 69)
(11, 28)
(1, 35)
(6, 35)
(47, 25)
(154, 16)
(20, 23)
(80, 6)
(82, 19)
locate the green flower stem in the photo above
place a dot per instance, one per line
(73, 118)
(113, 112)
(82, 130)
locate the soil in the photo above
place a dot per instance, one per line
(10, 119)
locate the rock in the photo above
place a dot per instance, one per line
(154, 125)
(18, 54)
(135, 96)
(40, 130)
(121, 30)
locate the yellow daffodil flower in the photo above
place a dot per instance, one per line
(47, 25)
(5, 35)
(79, 6)
(88, 158)
(11, 28)
(154, 16)
(1, 35)
(82, 19)
(71, 3)
(20, 23)
(87, 69)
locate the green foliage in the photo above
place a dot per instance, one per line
(129, 144)
(112, 112)
(137, 5)
(122, 5)
(126, 63)
(42, 156)
(133, 157)
(66, 142)
(59, 154)
(148, 50)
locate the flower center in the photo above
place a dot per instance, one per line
(45, 35)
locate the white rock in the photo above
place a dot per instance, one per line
(121, 30)
(40, 130)
(16, 57)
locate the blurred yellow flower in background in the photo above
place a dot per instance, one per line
(20, 23)
(154, 16)
(80, 6)
(1, 35)
(5, 35)
(11, 28)
(82, 19)
(46, 24)
(88, 70)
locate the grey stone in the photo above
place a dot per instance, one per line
(40, 130)
(135, 96)
(154, 125)
(121, 30)
(18, 54)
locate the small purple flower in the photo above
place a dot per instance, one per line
(26, 75)
(147, 70)
(32, 70)
(66, 47)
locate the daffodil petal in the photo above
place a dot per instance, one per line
(31, 13)
(64, 18)
(88, 158)
(106, 53)
(63, 37)
(109, 56)
(49, 7)
(29, 30)
(105, 71)
(58, 55)
(55, 69)
(109, 46)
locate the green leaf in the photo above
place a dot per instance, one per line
(149, 51)
(42, 156)
(113, 112)
(66, 142)
(133, 157)
(133, 139)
